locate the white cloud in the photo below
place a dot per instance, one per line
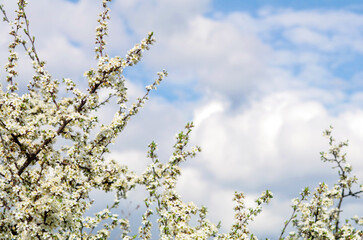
(336, 20)
(273, 139)
(219, 56)
(135, 160)
(76, 22)
(70, 65)
(269, 223)
(161, 16)
(325, 30)
(208, 111)
(193, 186)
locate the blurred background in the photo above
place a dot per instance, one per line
(260, 79)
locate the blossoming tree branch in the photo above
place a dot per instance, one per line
(45, 187)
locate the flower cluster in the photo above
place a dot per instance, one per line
(45, 186)
(243, 215)
(319, 218)
(174, 215)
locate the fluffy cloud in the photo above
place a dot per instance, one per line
(246, 144)
(279, 135)
(161, 16)
(273, 143)
(243, 56)
(325, 30)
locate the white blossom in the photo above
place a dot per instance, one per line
(44, 188)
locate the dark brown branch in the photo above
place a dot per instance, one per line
(33, 156)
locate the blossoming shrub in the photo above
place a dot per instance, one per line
(44, 187)
(319, 217)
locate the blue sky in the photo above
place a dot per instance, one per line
(255, 6)
(260, 79)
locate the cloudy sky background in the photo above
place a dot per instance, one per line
(260, 79)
